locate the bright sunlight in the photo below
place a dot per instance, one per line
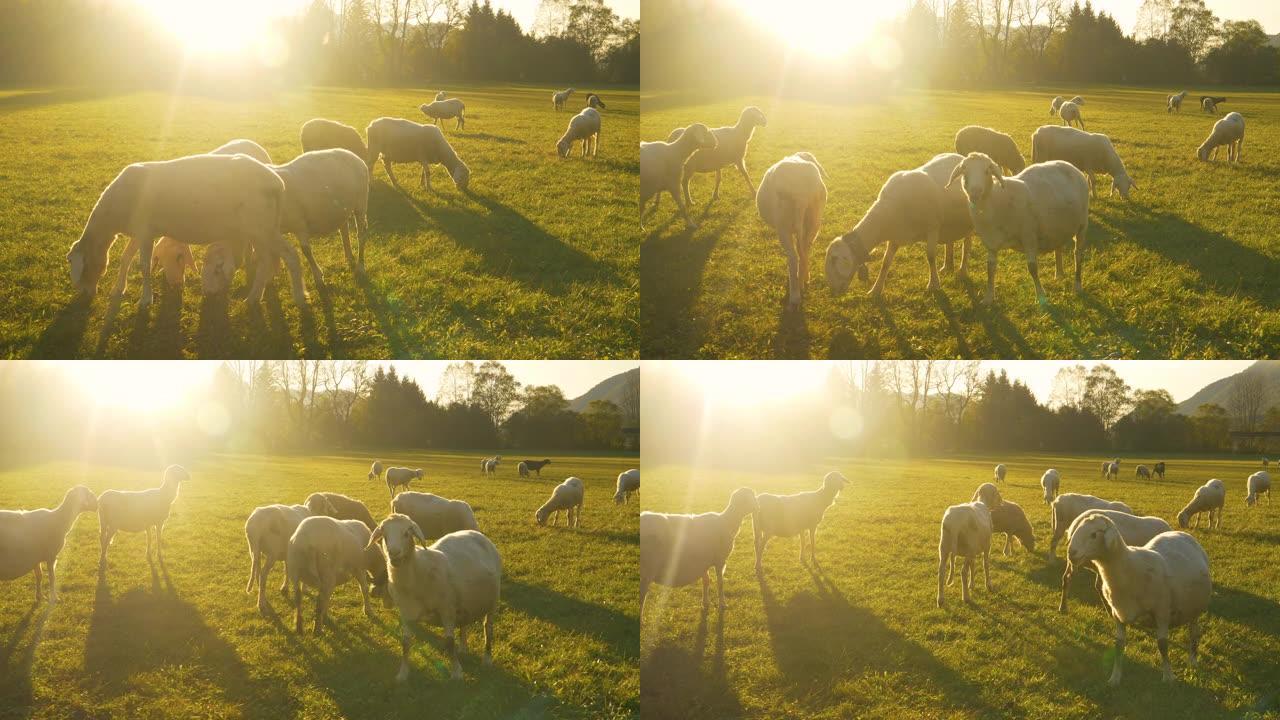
(745, 383)
(223, 28)
(822, 28)
(138, 386)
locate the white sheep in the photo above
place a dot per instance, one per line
(628, 483)
(584, 126)
(489, 466)
(405, 141)
(1077, 100)
(523, 469)
(594, 101)
(1258, 484)
(444, 109)
(29, 538)
(451, 584)
(397, 476)
(988, 494)
(559, 99)
(1175, 102)
(794, 515)
(267, 532)
(341, 507)
(567, 496)
(435, 516)
(1228, 131)
(1050, 481)
(441, 95)
(730, 149)
(965, 532)
(1068, 506)
(1111, 469)
(1043, 208)
(173, 258)
(677, 550)
(1210, 103)
(325, 553)
(322, 134)
(1209, 498)
(139, 511)
(662, 165)
(996, 145)
(790, 200)
(1000, 472)
(1055, 104)
(1142, 472)
(1134, 530)
(1161, 585)
(1089, 152)
(1070, 112)
(375, 470)
(1009, 518)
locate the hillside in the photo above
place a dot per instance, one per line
(1219, 391)
(610, 389)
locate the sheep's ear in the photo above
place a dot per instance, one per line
(1112, 539)
(417, 533)
(996, 174)
(375, 538)
(955, 174)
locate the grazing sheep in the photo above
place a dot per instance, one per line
(1175, 102)
(537, 465)
(584, 126)
(489, 466)
(342, 507)
(1142, 472)
(1055, 104)
(988, 494)
(1070, 112)
(1089, 152)
(1209, 498)
(1040, 209)
(1111, 470)
(435, 516)
(322, 134)
(267, 531)
(628, 483)
(451, 584)
(1158, 470)
(375, 470)
(594, 101)
(139, 511)
(445, 109)
(523, 469)
(174, 259)
(1077, 100)
(1210, 103)
(1228, 131)
(397, 476)
(794, 515)
(997, 146)
(558, 99)
(405, 141)
(1134, 530)
(965, 532)
(730, 148)
(1258, 484)
(677, 550)
(1161, 585)
(566, 496)
(661, 165)
(31, 537)
(1000, 472)
(1068, 506)
(325, 553)
(1051, 480)
(1009, 518)
(790, 200)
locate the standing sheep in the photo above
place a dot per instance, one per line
(1000, 472)
(988, 494)
(1175, 102)
(1158, 470)
(1055, 104)
(1228, 131)
(29, 538)
(174, 259)
(139, 511)
(1209, 498)
(1134, 530)
(794, 515)
(1090, 153)
(398, 476)
(1209, 103)
(566, 496)
(322, 134)
(1068, 506)
(1078, 100)
(1051, 480)
(628, 483)
(594, 101)
(375, 470)
(558, 99)
(441, 95)
(341, 507)
(1142, 472)
(325, 553)
(267, 531)
(1258, 484)
(435, 516)
(790, 200)
(537, 465)
(730, 148)
(445, 109)
(965, 532)
(405, 141)
(677, 550)
(584, 126)
(996, 145)
(1009, 518)
(1070, 112)
(523, 469)
(661, 165)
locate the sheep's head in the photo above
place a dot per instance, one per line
(702, 136)
(836, 480)
(83, 498)
(1202, 152)
(674, 135)
(1123, 185)
(1250, 499)
(440, 95)
(742, 502)
(174, 258)
(397, 534)
(846, 256)
(1094, 537)
(88, 264)
(176, 474)
(977, 173)
(461, 175)
(753, 116)
(988, 494)
(219, 269)
(319, 505)
(594, 101)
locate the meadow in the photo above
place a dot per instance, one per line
(183, 640)
(861, 635)
(1181, 270)
(531, 263)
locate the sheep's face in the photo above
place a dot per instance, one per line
(219, 269)
(988, 494)
(754, 117)
(84, 498)
(1203, 152)
(1122, 184)
(176, 474)
(174, 258)
(540, 516)
(743, 502)
(87, 268)
(1250, 499)
(320, 505)
(397, 535)
(841, 264)
(702, 136)
(461, 175)
(1093, 538)
(836, 480)
(977, 173)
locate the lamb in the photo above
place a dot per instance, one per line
(1055, 104)
(435, 516)
(1009, 518)
(325, 553)
(322, 134)
(397, 476)
(628, 483)
(997, 146)
(730, 148)
(341, 507)
(267, 531)
(790, 200)
(405, 141)
(559, 99)
(1209, 103)
(1134, 530)
(451, 584)
(661, 166)
(1068, 506)
(523, 469)
(1258, 483)
(988, 494)
(375, 470)
(324, 191)
(1000, 472)
(445, 109)
(1158, 469)
(139, 511)
(965, 532)
(584, 126)
(795, 514)
(566, 496)
(677, 550)
(1162, 584)
(1070, 112)
(537, 465)
(1089, 152)
(1142, 472)
(29, 538)
(1175, 102)
(1228, 131)
(594, 101)
(1051, 480)
(1209, 498)
(1040, 209)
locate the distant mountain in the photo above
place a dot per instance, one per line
(1218, 391)
(608, 389)
(1274, 40)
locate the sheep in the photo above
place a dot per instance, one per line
(1000, 472)
(1070, 112)
(1142, 472)
(997, 145)
(397, 476)
(1134, 530)
(322, 134)
(661, 166)
(29, 538)
(1111, 470)
(489, 466)
(1009, 518)
(325, 553)
(1158, 470)
(1175, 102)
(794, 515)
(559, 99)
(1162, 584)
(1068, 506)
(375, 470)
(139, 511)
(441, 95)
(628, 483)
(405, 141)
(790, 200)
(174, 259)
(1051, 480)
(1257, 484)
(444, 109)
(1077, 100)
(1089, 152)
(240, 202)
(988, 494)
(1040, 209)
(566, 496)
(435, 516)
(677, 550)
(1209, 498)
(594, 101)
(1055, 104)
(584, 126)
(523, 469)
(537, 465)
(1264, 462)
(267, 532)
(1228, 131)
(730, 148)
(451, 584)
(1209, 103)
(965, 532)
(342, 507)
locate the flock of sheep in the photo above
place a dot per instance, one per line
(984, 187)
(328, 540)
(239, 204)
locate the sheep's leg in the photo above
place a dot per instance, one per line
(986, 572)
(488, 638)
(426, 178)
(761, 544)
(966, 579)
(452, 646)
(253, 568)
(105, 537)
(145, 246)
(948, 258)
(148, 543)
(877, 289)
(297, 604)
(1117, 668)
(715, 193)
(813, 546)
(684, 210)
(991, 278)
(263, 574)
(386, 163)
(304, 240)
(322, 605)
(37, 575)
(720, 587)
(1033, 267)
(644, 592)
(942, 573)
(802, 533)
(706, 588)
(346, 243)
(1079, 259)
(793, 261)
(931, 252)
(1007, 539)
(160, 542)
(1162, 641)
(406, 643)
(1066, 579)
(742, 168)
(126, 258)
(1093, 189)
(685, 177)
(1193, 645)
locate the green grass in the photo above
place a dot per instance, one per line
(185, 641)
(862, 636)
(534, 263)
(1184, 269)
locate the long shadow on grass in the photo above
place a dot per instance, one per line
(16, 694)
(61, 338)
(619, 632)
(673, 683)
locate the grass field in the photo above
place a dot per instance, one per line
(862, 636)
(532, 263)
(1182, 270)
(185, 641)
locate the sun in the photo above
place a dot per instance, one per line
(135, 386)
(822, 28)
(221, 28)
(746, 383)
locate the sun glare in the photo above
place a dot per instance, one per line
(745, 383)
(138, 386)
(221, 28)
(823, 28)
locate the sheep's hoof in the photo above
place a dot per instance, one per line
(1062, 608)
(264, 608)
(941, 603)
(1042, 300)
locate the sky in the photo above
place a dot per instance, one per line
(1266, 12)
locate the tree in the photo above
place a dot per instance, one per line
(1245, 55)
(629, 402)
(603, 424)
(1069, 385)
(1193, 26)
(457, 383)
(346, 382)
(1211, 427)
(391, 19)
(1106, 395)
(1038, 20)
(495, 391)
(1155, 20)
(1248, 399)
(298, 381)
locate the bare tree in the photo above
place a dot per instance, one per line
(439, 18)
(457, 383)
(956, 382)
(629, 402)
(1039, 20)
(298, 380)
(1069, 385)
(910, 382)
(994, 21)
(1248, 399)
(391, 19)
(1155, 20)
(345, 382)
